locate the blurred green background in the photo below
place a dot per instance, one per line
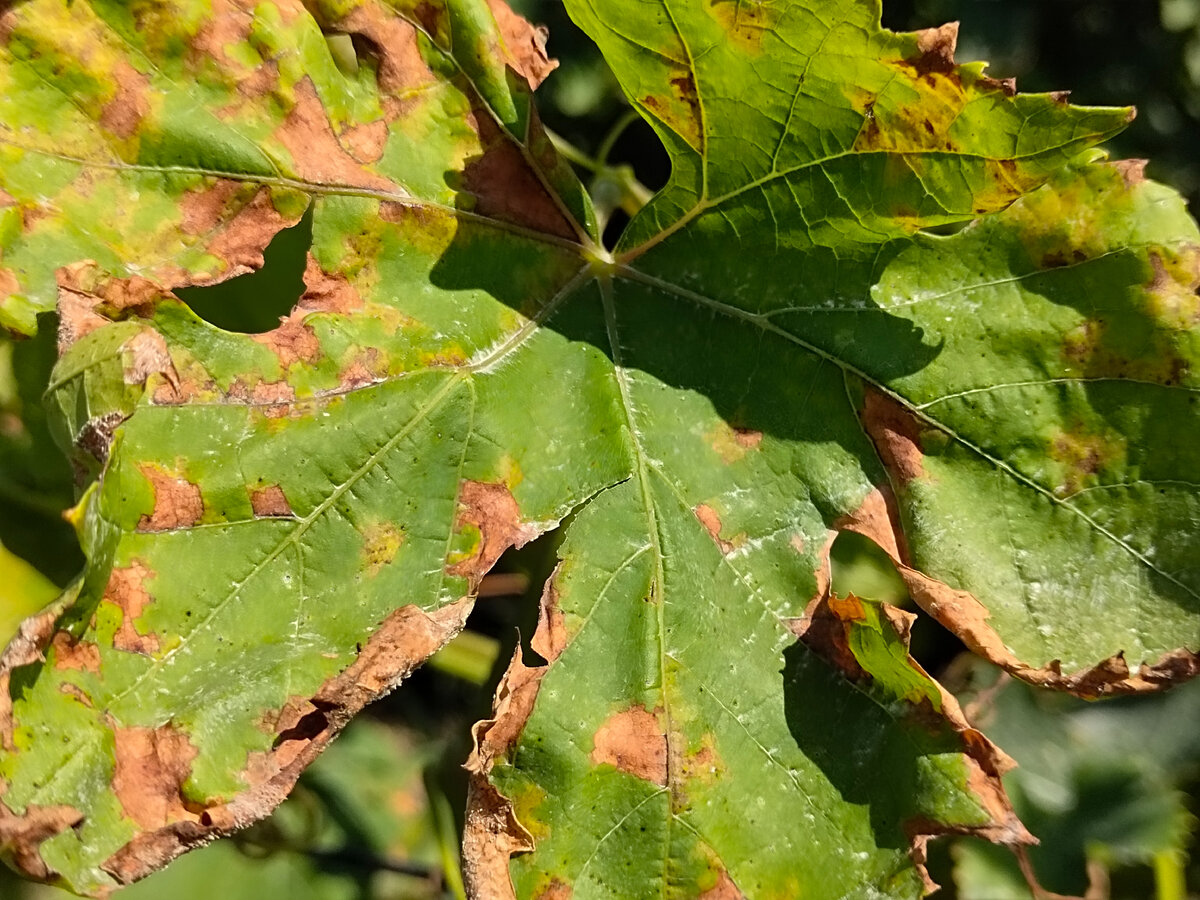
(1110, 788)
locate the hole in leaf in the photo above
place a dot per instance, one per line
(641, 148)
(355, 55)
(614, 228)
(898, 14)
(860, 567)
(36, 481)
(506, 611)
(255, 302)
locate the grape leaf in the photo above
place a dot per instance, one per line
(361, 820)
(280, 526)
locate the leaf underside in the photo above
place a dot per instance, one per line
(280, 526)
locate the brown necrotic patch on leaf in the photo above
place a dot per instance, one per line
(21, 835)
(491, 836)
(197, 386)
(551, 636)
(936, 47)
(273, 399)
(492, 509)
(150, 768)
(524, 44)
(493, 833)
(504, 186)
(711, 521)
(177, 501)
(276, 398)
(1007, 86)
(366, 142)
(316, 153)
(368, 366)
(732, 444)
(896, 433)
(77, 693)
(965, 616)
(114, 296)
(240, 241)
(405, 639)
(33, 636)
(89, 298)
(269, 501)
(202, 210)
(826, 630)
(71, 653)
(9, 284)
(293, 341)
(325, 292)
(77, 315)
(227, 26)
(25, 648)
(495, 738)
(634, 742)
(126, 589)
(124, 112)
(1133, 171)
(747, 438)
(876, 518)
(557, 889)
(6, 715)
(724, 889)
(146, 354)
(403, 72)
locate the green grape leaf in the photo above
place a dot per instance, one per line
(360, 819)
(280, 526)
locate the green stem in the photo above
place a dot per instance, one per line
(633, 195)
(610, 139)
(470, 656)
(448, 838)
(1170, 880)
(572, 153)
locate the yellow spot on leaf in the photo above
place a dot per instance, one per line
(381, 542)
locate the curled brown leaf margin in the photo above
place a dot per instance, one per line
(895, 432)
(825, 629)
(304, 728)
(493, 833)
